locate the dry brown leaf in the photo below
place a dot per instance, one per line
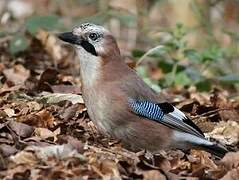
(164, 164)
(5, 88)
(36, 141)
(7, 150)
(229, 115)
(58, 97)
(49, 76)
(21, 171)
(42, 119)
(153, 175)
(46, 133)
(24, 157)
(55, 151)
(203, 158)
(231, 160)
(226, 132)
(202, 98)
(50, 44)
(109, 169)
(18, 74)
(231, 175)
(72, 111)
(10, 112)
(34, 106)
(78, 145)
(21, 129)
(66, 89)
(46, 118)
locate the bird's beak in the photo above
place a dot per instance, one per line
(69, 37)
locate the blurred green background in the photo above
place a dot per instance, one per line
(171, 43)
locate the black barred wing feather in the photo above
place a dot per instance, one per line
(147, 109)
(166, 114)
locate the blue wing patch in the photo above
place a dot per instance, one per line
(147, 109)
(166, 114)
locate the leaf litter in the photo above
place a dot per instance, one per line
(45, 131)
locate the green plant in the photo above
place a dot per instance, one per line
(183, 65)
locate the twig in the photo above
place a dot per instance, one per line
(148, 53)
(210, 112)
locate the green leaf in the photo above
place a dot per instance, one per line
(87, 2)
(168, 79)
(18, 44)
(34, 23)
(167, 67)
(2, 34)
(194, 74)
(192, 55)
(229, 79)
(137, 53)
(142, 71)
(182, 79)
(204, 85)
(214, 53)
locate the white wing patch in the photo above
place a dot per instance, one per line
(178, 114)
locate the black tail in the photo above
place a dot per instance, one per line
(216, 149)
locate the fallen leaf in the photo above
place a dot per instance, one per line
(109, 169)
(153, 175)
(34, 106)
(231, 175)
(74, 142)
(58, 97)
(5, 88)
(49, 76)
(20, 171)
(42, 119)
(50, 44)
(7, 150)
(231, 160)
(46, 118)
(24, 157)
(72, 111)
(226, 132)
(10, 112)
(21, 129)
(18, 74)
(203, 158)
(55, 151)
(66, 89)
(46, 133)
(36, 141)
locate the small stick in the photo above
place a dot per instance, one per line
(148, 53)
(210, 112)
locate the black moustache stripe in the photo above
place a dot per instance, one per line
(88, 47)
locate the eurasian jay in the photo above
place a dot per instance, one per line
(120, 103)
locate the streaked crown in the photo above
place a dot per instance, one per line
(95, 39)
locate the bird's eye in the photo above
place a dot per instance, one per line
(93, 36)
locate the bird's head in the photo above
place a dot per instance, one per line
(92, 39)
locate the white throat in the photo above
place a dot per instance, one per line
(89, 67)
